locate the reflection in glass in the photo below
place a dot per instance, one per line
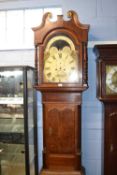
(12, 140)
(12, 159)
(17, 155)
(11, 83)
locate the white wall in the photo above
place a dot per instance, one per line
(17, 57)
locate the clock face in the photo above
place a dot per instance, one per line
(111, 79)
(60, 60)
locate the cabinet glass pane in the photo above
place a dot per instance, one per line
(11, 85)
(17, 150)
(12, 160)
(30, 79)
(12, 142)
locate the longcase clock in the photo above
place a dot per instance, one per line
(107, 93)
(61, 65)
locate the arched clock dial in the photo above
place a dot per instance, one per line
(60, 61)
(111, 79)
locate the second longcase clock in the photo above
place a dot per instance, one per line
(61, 64)
(107, 93)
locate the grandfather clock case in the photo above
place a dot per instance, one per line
(61, 76)
(107, 93)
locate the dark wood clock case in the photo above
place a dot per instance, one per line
(61, 101)
(107, 56)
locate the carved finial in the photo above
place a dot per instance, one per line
(70, 13)
(73, 15)
(47, 16)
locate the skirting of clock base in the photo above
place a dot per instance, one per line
(48, 172)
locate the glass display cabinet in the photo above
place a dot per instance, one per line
(17, 121)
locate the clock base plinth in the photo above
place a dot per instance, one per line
(53, 172)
